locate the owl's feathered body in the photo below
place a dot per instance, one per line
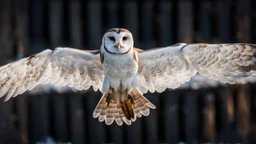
(119, 70)
(124, 73)
(120, 83)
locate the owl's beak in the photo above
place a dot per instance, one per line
(118, 46)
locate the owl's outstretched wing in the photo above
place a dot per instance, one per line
(163, 68)
(60, 67)
(169, 67)
(198, 82)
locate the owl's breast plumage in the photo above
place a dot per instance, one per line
(119, 66)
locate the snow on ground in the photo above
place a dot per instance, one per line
(50, 140)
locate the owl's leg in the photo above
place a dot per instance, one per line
(109, 96)
(131, 99)
(105, 85)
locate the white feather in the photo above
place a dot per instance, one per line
(172, 66)
(61, 67)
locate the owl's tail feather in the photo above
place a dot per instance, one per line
(141, 104)
(127, 109)
(110, 111)
(122, 112)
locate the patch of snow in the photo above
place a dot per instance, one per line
(50, 140)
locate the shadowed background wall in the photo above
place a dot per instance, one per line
(214, 114)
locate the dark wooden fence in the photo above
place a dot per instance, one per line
(222, 114)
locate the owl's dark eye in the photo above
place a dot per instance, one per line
(125, 38)
(112, 38)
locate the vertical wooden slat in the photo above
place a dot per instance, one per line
(75, 23)
(224, 21)
(22, 117)
(115, 133)
(171, 120)
(191, 116)
(165, 27)
(37, 13)
(225, 117)
(205, 22)
(147, 24)
(134, 132)
(60, 117)
(230, 108)
(8, 133)
(94, 20)
(243, 21)
(253, 112)
(21, 29)
(37, 26)
(95, 129)
(77, 115)
(185, 21)
(56, 22)
(222, 107)
(243, 113)
(39, 120)
(150, 123)
(6, 39)
(252, 21)
(59, 103)
(113, 20)
(130, 19)
(209, 118)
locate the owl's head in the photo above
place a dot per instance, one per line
(117, 41)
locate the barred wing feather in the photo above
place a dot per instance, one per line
(60, 67)
(172, 66)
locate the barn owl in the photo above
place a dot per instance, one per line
(124, 73)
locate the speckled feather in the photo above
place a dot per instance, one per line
(61, 67)
(163, 68)
(222, 61)
(113, 112)
(172, 66)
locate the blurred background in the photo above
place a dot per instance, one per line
(219, 114)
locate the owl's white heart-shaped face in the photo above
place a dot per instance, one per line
(118, 41)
